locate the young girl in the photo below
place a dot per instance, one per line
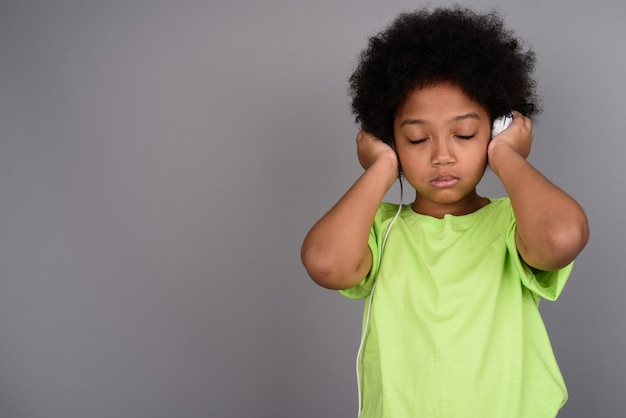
(451, 325)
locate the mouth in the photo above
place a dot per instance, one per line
(444, 181)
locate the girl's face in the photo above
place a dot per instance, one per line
(441, 136)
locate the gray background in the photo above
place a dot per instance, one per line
(161, 162)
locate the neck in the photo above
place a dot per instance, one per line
(467, 205)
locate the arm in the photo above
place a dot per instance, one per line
(552, 228)
(335, 251)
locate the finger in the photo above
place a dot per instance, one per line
(522, 119)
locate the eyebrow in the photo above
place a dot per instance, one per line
(470, 115)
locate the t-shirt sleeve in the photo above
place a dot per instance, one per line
(546, 284)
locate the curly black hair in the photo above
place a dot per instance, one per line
(473, 51)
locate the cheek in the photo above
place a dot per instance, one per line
(480, 159)
(479, 150)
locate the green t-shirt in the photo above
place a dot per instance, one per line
(454, 328)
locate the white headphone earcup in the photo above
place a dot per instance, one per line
(501, 123)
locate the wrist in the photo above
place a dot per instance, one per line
(386, 167)
(500, 157)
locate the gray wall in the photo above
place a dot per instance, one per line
(161, 161)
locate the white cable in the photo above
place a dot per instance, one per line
(371, 298)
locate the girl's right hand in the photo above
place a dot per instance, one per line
(370, 148)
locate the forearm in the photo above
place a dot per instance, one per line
(552, 228)
(335, 252)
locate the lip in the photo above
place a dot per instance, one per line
(444, 181)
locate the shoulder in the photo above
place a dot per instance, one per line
(387, 210)
(494, 221)
(386, 215)
(499, 209)
(499, 203)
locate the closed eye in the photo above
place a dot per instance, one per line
(465, 137)
(417, 141)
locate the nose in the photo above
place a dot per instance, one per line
(442, 153)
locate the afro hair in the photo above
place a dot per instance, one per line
(473, 51)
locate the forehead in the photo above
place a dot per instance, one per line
(439, 100)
